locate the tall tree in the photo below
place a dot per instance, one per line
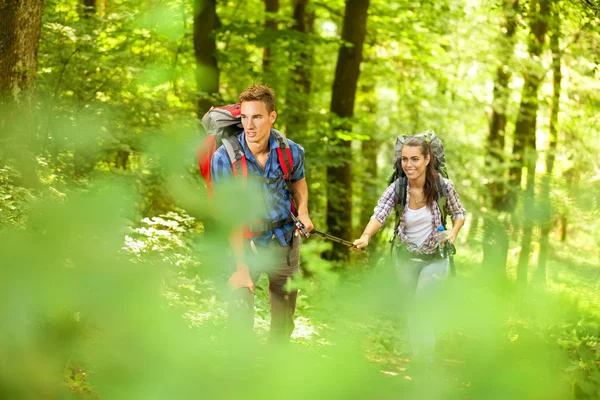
(339, 175)
(271, 9)
(369, 151)
(524, 149)
(20, 27)
(88, 8)
(495, 244)
(546, 205)
(206, 22)
(299, 95)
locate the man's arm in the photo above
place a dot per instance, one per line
(300, 196)
(241, 277)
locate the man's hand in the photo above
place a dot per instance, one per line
(241, 278)
(306, 221)
(362, 241)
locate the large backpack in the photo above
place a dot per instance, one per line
(401, 181)
(223, 125)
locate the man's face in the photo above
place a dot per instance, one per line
(257, 120)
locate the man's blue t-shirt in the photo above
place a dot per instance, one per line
(273, 189)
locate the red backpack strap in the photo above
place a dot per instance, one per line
(284, 154)
(204, 153)
(236, 156)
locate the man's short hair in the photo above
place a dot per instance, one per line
(259, 92)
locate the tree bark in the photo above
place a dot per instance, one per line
(524, 149)
(122, 159)
(206, 22)
(88, 8)
(301, 83)
(370, 149)
(271, 8)
(496, 138)
(546, 206)
(339, 175)
(20, 27)
(495, 241)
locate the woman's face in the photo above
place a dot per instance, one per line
(414, 163)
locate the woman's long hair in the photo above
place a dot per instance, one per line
(430, 193)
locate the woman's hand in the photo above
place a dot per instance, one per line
(449, 236)
(362, 241)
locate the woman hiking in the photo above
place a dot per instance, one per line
(421, 267)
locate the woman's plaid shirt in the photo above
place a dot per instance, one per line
(387, 202)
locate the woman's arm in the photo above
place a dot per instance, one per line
(457, 211)
(372, 228)
(384, 207)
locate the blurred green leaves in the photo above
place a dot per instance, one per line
(166, 19)
(112, 282)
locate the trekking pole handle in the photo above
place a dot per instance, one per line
(300, 226)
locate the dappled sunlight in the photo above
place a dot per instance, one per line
(116, 254)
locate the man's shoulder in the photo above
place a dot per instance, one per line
(219, 154)
(221, 151)
(295, 146)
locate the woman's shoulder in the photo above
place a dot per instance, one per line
(447, 183)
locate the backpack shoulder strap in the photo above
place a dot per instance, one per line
(400, 187)
(442, 198)
(236, 156)
(284, 154)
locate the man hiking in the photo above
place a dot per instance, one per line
(275, 166)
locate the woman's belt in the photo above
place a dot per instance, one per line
(421, 257)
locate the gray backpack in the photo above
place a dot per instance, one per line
(401, 181)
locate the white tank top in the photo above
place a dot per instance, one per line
(418, 224)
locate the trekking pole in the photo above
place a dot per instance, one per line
(300, 226)
(335, 239)
(451, 251)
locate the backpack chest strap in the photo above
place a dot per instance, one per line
(259, 227)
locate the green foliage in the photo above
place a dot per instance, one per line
(13, 198)
(113, 277)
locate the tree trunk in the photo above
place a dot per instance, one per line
(299, 94)
(546, 223)
(496, 138)
(525, 130)
(370, 149)
(206, 22)
(122, 159)
(472, 235)
(339, 176)
(495, 241)
(271, 8)
(88, 8)
(20, 27)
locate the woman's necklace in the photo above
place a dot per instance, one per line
(421, 199)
